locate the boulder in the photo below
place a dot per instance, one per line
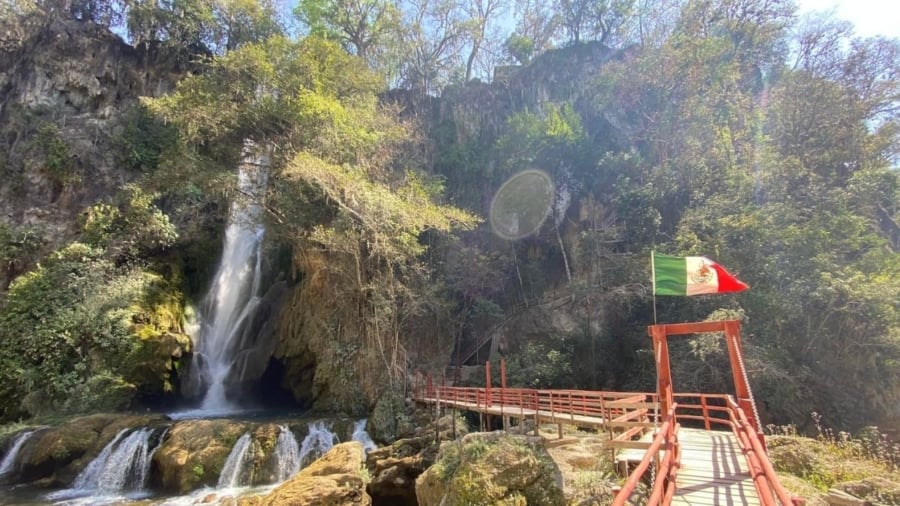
(877, 489)
(394, 468)
(193, 454)
(335, 479)
(491, 468)
(57, 454)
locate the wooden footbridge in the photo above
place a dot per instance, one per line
(720, 460)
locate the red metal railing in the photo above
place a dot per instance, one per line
(666, 440)
(633, 413)
(710, 409)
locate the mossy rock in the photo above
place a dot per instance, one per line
(491, 468)
(336, 479)
(58, 454)
(265, 461)
(877, 490)
(193, 453)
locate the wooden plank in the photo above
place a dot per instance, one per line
(632, 405)
(631, 445)
(713, 471)
(631, 424)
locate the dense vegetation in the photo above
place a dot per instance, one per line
(728, 128)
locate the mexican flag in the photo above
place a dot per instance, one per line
(691, 276)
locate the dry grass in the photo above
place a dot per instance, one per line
(866, 465)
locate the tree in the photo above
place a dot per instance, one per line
(341, 195)
(481, 14)
(430, 44)
(240, 22)
(216, 26)
(363, 27)
(537, 22)
(597, 19)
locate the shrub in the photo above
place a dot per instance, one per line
(67, 330)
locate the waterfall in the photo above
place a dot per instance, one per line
(234, 464)
(9, 460)
(287, 453)
(319, 440)
(235, 293)
(122, 466)
(360, 434)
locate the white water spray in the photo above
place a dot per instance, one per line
(122, 466)
(9, 460)
(233, 471)
(360, 434)
(319, 440)
(287, 453)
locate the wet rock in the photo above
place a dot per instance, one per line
(193, 454)
(394, 468)
(336, 479)
(56, 455)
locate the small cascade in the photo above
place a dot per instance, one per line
(122, 466)
(233, 470)
(360, 434)
(319, 440)
(9, 460)
(287, 453)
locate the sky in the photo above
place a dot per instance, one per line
(869, 17)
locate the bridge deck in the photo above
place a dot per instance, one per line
(713, 470)
(514, 411)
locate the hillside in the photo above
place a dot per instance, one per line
(736, 133)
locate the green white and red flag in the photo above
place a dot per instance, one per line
(691, 276)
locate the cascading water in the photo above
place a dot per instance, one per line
(287, 453)
(233, 473)
(9, 460)
(360, 434)
(122, 467)
(319, 440)
(235, 293)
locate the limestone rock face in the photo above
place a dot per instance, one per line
(335, 479)
(491, 468)
(77, 81)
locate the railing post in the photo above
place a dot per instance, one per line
(705, 411)
(663, 370)
(502, 385)
(487, 383)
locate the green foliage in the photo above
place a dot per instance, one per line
(133, 229)
(144, 140)
(196, 26)
(17, 250)
(519, 48)
(67, 334)
(363, 28)
(542, 363)
(55, 153)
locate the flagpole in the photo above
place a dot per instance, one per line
(653, 282)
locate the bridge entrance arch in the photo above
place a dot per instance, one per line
(732, 330)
